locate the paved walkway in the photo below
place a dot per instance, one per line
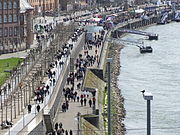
(69, 118)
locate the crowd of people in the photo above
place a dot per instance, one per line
(59, 130)
(73, 91)
(42, 91)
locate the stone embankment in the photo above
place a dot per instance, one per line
(117, 99)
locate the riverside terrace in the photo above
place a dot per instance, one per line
(148, 23)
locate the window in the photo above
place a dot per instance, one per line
(10, 18)
(5, 18)
(22, 18)
(10, 31)
(10, 5)
(22, 31)
(1, 32)
(15, 4)
(0, 18)
(5, 5)
(0, 5)
(14, 18)
(15, 31)
(5, 32)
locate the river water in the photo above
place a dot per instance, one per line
(156, 72)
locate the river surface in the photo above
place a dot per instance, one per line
(157, 72)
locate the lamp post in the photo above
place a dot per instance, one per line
(23, 118)
(1, 107)
(148, 96)
(109, 61)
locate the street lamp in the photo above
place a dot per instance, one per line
(23, 118)
(109, 61)
(148, 96)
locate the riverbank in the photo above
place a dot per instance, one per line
(118, 111)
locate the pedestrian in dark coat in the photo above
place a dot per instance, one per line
(38, 107)
(85, 101)
(66, 133)
(54, 81)
(29, 108)
(56, 126)
(70, 132)
(90, 102)
(77, 98)
(60, 125)
(67, 104)
(81, 102)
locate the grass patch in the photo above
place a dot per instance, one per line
(90, 80)
(7, 65)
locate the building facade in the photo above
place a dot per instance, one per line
(13, 29)
(9, 25)
(41, 6)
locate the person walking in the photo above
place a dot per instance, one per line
(94, 101)
(29, 108)
(77, 98)
(81, 102)
(38, 107)
(66, 133)
(85, 101)
(60, 125)
(70, 132)
(67, 104)
(56, 126)
(90, 102)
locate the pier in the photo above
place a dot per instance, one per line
(152, 36)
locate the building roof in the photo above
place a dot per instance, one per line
(24, 5)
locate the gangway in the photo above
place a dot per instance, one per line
(127, 42)
(151, 36)
(139, 44)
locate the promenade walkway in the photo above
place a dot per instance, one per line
(69, 119)
(26, 118)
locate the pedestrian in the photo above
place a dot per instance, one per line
(90, 102)
(64, 107)
(70, 132)
(66, 133)
(77, 98)
(42, 99)
(94, 101)
(56, 126)
(85, 101)
(67, 104)
(60, 125)
(74, 97)
(29, 108)
(81, 102)
(38, 107)
(54, 81)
